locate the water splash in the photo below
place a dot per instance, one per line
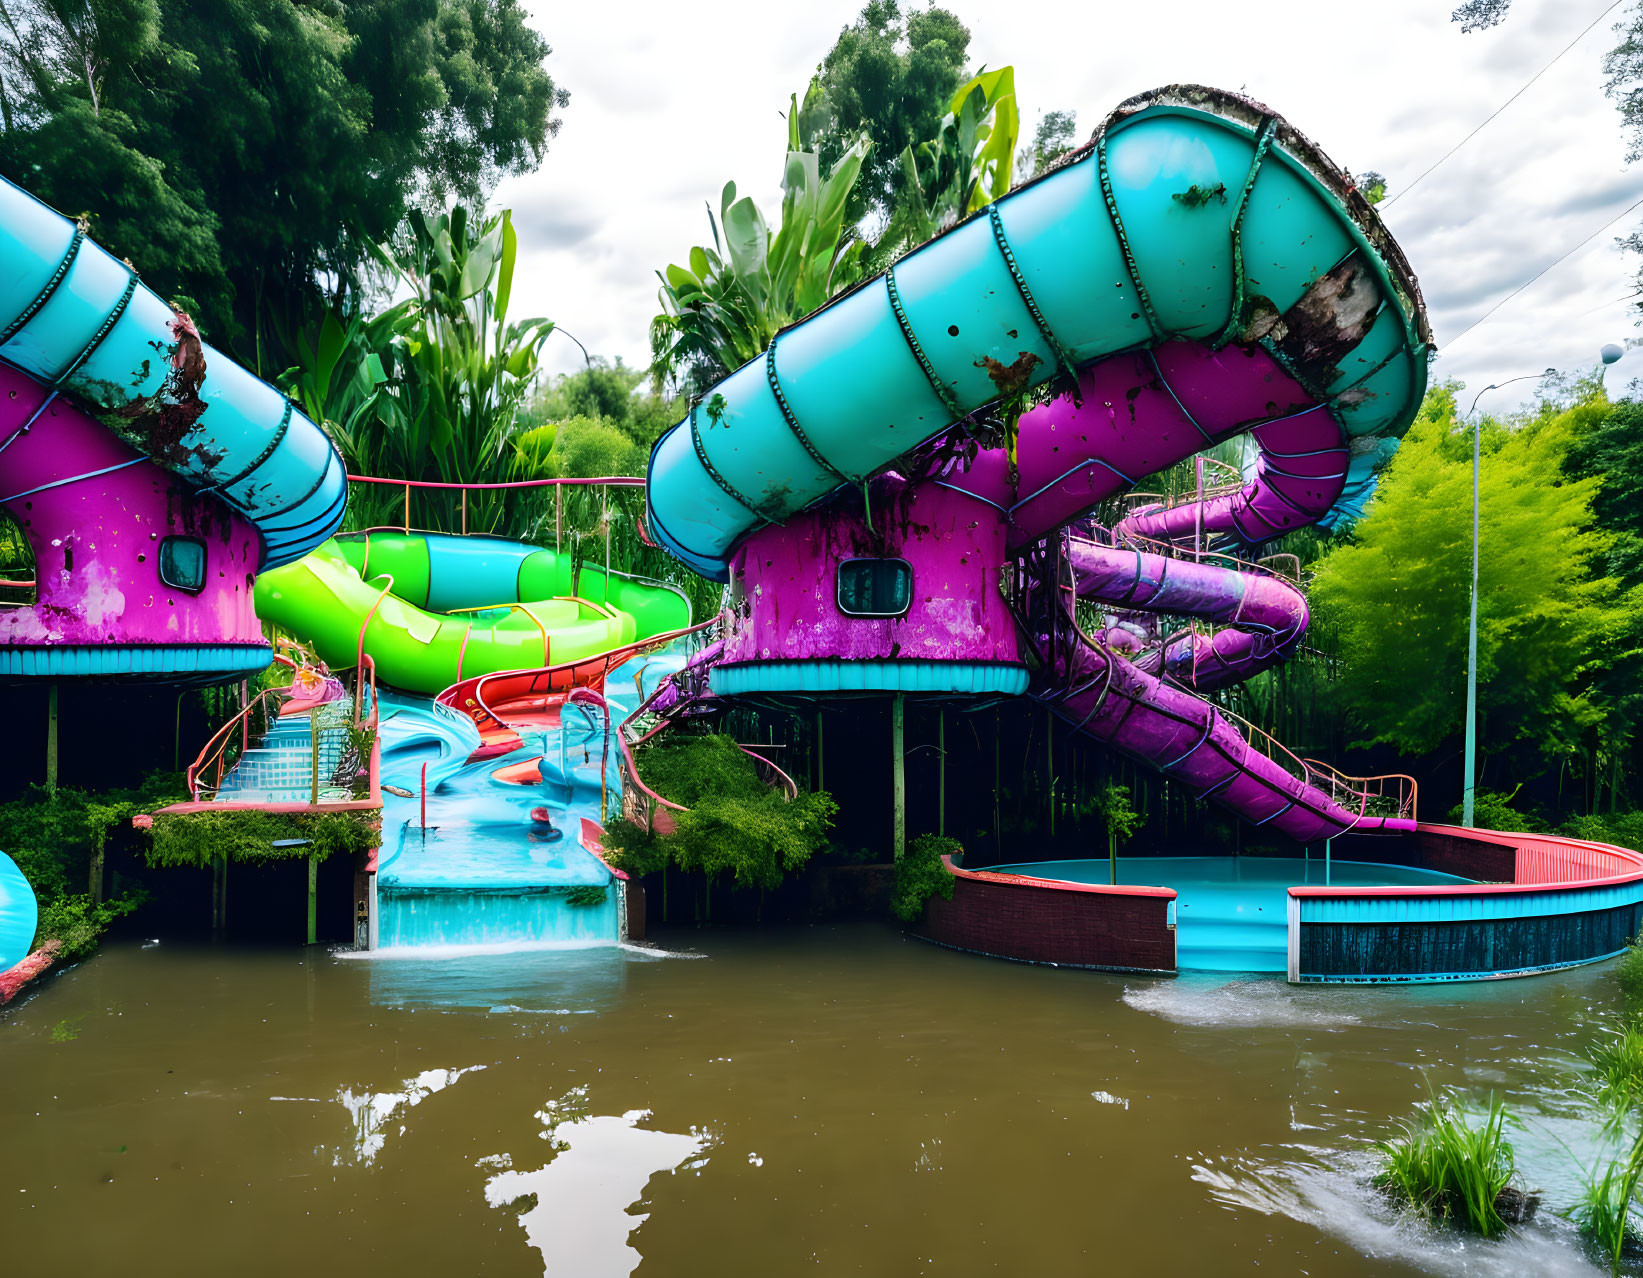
(1205, 1001)
(1337, 1199)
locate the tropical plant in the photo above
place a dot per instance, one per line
(967, 165)
(724, 307)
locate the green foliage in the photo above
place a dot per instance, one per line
(1604, 1211)
(1629, 975)
(724, 307)
(54, 839)
(964, 167)
(1055, 135)
(245, 152)
(1447, 1167)
(585, 895)
(196, 839)
(1398, 591)
(77, 923)
(1492, 810)
(920, 875)
(888, 78)
(1118, 818)
(735, 825)
(1617, 1064)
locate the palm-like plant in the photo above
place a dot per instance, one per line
(723, 309)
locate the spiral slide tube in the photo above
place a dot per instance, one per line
(1264, 618)
(76, 321)
(1193, 217)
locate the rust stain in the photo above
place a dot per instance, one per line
(158, 424)
(1010, 378)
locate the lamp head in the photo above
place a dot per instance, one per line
(1611, 352)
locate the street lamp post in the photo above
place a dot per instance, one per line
(1609, 354)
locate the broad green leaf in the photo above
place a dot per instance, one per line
(510, 252)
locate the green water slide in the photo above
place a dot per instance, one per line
(437, 609)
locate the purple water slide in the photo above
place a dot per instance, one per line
(1264, 618)
(1137, 414)
(1193, 742)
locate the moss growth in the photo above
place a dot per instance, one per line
(921, 875)
(585, 895)
(736, 826)
(196, 839)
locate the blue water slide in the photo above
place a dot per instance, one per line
(78, 320)
(1190, 212)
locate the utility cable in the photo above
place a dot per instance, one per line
(1570, 253)
(1388, 203)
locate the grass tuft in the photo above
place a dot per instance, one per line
(1604, 1212)
(1447, 1168)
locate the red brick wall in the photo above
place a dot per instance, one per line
(1487, 862)
(1052, 925)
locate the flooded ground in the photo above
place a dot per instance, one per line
(832, 1100)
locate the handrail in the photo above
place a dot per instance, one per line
(220, 739)
(612, 481)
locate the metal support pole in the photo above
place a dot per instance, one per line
(558, 514)
(464, 512)
(821, 776)
(313, 756)
(898, 765)
(313, 900)
(51, 738)
(1470, 780)
(407, 507)
(941, 772)
(1327, 845)
(1049, 764)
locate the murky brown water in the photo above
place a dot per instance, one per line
(827, 1100)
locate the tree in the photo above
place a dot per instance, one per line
(1053, 138)
(888, 78)
(245, 153)
(1120, 820)
(1397, 592)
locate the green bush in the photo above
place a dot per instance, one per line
(1492, 810)
(1450, 1169)
(735, 825)
(196, 839)
(53, 838)
(921, 875)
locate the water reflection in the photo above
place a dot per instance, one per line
(374, 1112)
(575, 1210)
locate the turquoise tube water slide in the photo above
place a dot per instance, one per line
(1193, 216)
(19, 914)
(78, 320)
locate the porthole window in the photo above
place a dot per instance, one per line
(182, 563)
(875, 587)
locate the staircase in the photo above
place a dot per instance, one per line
(280, 767)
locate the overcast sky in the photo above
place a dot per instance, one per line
(670, 100)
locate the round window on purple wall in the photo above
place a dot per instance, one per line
(182, 563)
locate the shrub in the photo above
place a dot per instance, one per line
(735, 824)
(197, 838)
(1629, 974)
(1617, 1059)
(1449, 1169)
(921, 875)
(1492, 810)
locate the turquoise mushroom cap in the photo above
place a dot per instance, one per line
(19, 914)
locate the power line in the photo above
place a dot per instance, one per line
(1583, 243)
(1394, 199)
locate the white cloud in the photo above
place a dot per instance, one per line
(669, 101)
